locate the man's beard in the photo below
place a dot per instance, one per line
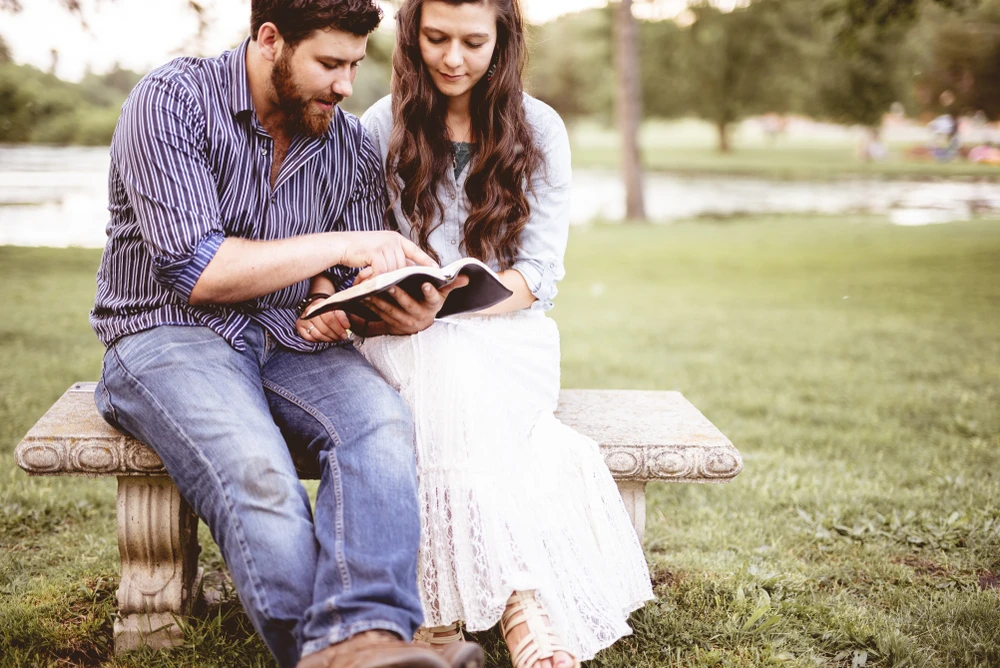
(301, 116)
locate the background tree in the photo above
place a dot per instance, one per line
(866, 68)
(744, 62)
(570, 64)
(663, 86)
(958, 50)
(628, 104)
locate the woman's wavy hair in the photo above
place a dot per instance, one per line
(500, 174)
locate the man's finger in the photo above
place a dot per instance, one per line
(333, 325)
(317, 330)
(413, 252)
(400, 258)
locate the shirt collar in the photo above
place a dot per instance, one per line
(239, 90)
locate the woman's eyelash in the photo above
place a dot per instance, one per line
(441, 40)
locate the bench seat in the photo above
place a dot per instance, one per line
(644, 435)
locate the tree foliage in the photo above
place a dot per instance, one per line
(865, 60)
(570, 65)
(743, 62)
(37, 107)
(957, 52)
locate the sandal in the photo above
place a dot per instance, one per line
(449, 642)
(540, 642)
(439, 635)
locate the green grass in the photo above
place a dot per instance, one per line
(855, 365)
(689, 147)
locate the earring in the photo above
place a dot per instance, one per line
(492, 71)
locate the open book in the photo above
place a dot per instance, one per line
(483, 291)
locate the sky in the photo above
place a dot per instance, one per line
(141, 34)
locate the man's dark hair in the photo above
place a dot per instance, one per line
(297, 19)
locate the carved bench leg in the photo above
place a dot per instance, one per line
(634, 495)
(158, 545)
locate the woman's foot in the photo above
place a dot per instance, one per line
(437, 636)
(449, 642)
(529, 635)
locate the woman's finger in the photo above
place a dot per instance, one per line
(460, 282)
(384, 310)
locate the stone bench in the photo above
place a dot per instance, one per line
(644, 436)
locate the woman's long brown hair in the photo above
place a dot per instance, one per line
(506, 158)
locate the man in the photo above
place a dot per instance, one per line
(233, 182)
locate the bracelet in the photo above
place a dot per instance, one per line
(304, 303)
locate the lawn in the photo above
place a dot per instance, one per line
(855, 365)
(805, 154)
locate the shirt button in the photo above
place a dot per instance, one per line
(263, 150)
(453, 197)
(454, 242)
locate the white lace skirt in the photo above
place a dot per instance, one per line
(511, 499)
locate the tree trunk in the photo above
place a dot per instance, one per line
(629, 106)
(722, 128)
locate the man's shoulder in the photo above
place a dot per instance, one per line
(187, 73)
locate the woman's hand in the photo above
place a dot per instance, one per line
(410, 316)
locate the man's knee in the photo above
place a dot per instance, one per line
(261, 482)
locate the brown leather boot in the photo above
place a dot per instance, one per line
(373, 649)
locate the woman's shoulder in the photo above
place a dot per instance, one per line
(542, 118)
(379, 114)
(378, 120)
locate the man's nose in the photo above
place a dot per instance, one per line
(343, 86)
(453, 56)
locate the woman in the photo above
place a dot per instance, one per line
(521, 520)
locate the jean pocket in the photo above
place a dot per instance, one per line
(102, 398)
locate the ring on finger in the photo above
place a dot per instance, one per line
(311, 328)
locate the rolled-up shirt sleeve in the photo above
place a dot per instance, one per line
(162, 164)
(543, 240)
(366, 210)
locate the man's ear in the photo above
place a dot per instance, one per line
(269, 41)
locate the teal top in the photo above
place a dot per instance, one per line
(463, 154)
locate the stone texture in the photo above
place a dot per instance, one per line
(643, 435)
(158, 546)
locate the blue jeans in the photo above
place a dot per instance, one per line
(224, 421)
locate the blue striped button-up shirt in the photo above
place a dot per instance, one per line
(190, 166)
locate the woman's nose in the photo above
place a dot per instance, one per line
(453, 57)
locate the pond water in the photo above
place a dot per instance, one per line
(58, 197)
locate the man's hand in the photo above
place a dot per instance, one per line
(329, 327)
(410, 316)
(382, 251)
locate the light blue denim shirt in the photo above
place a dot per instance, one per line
(542, 246)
